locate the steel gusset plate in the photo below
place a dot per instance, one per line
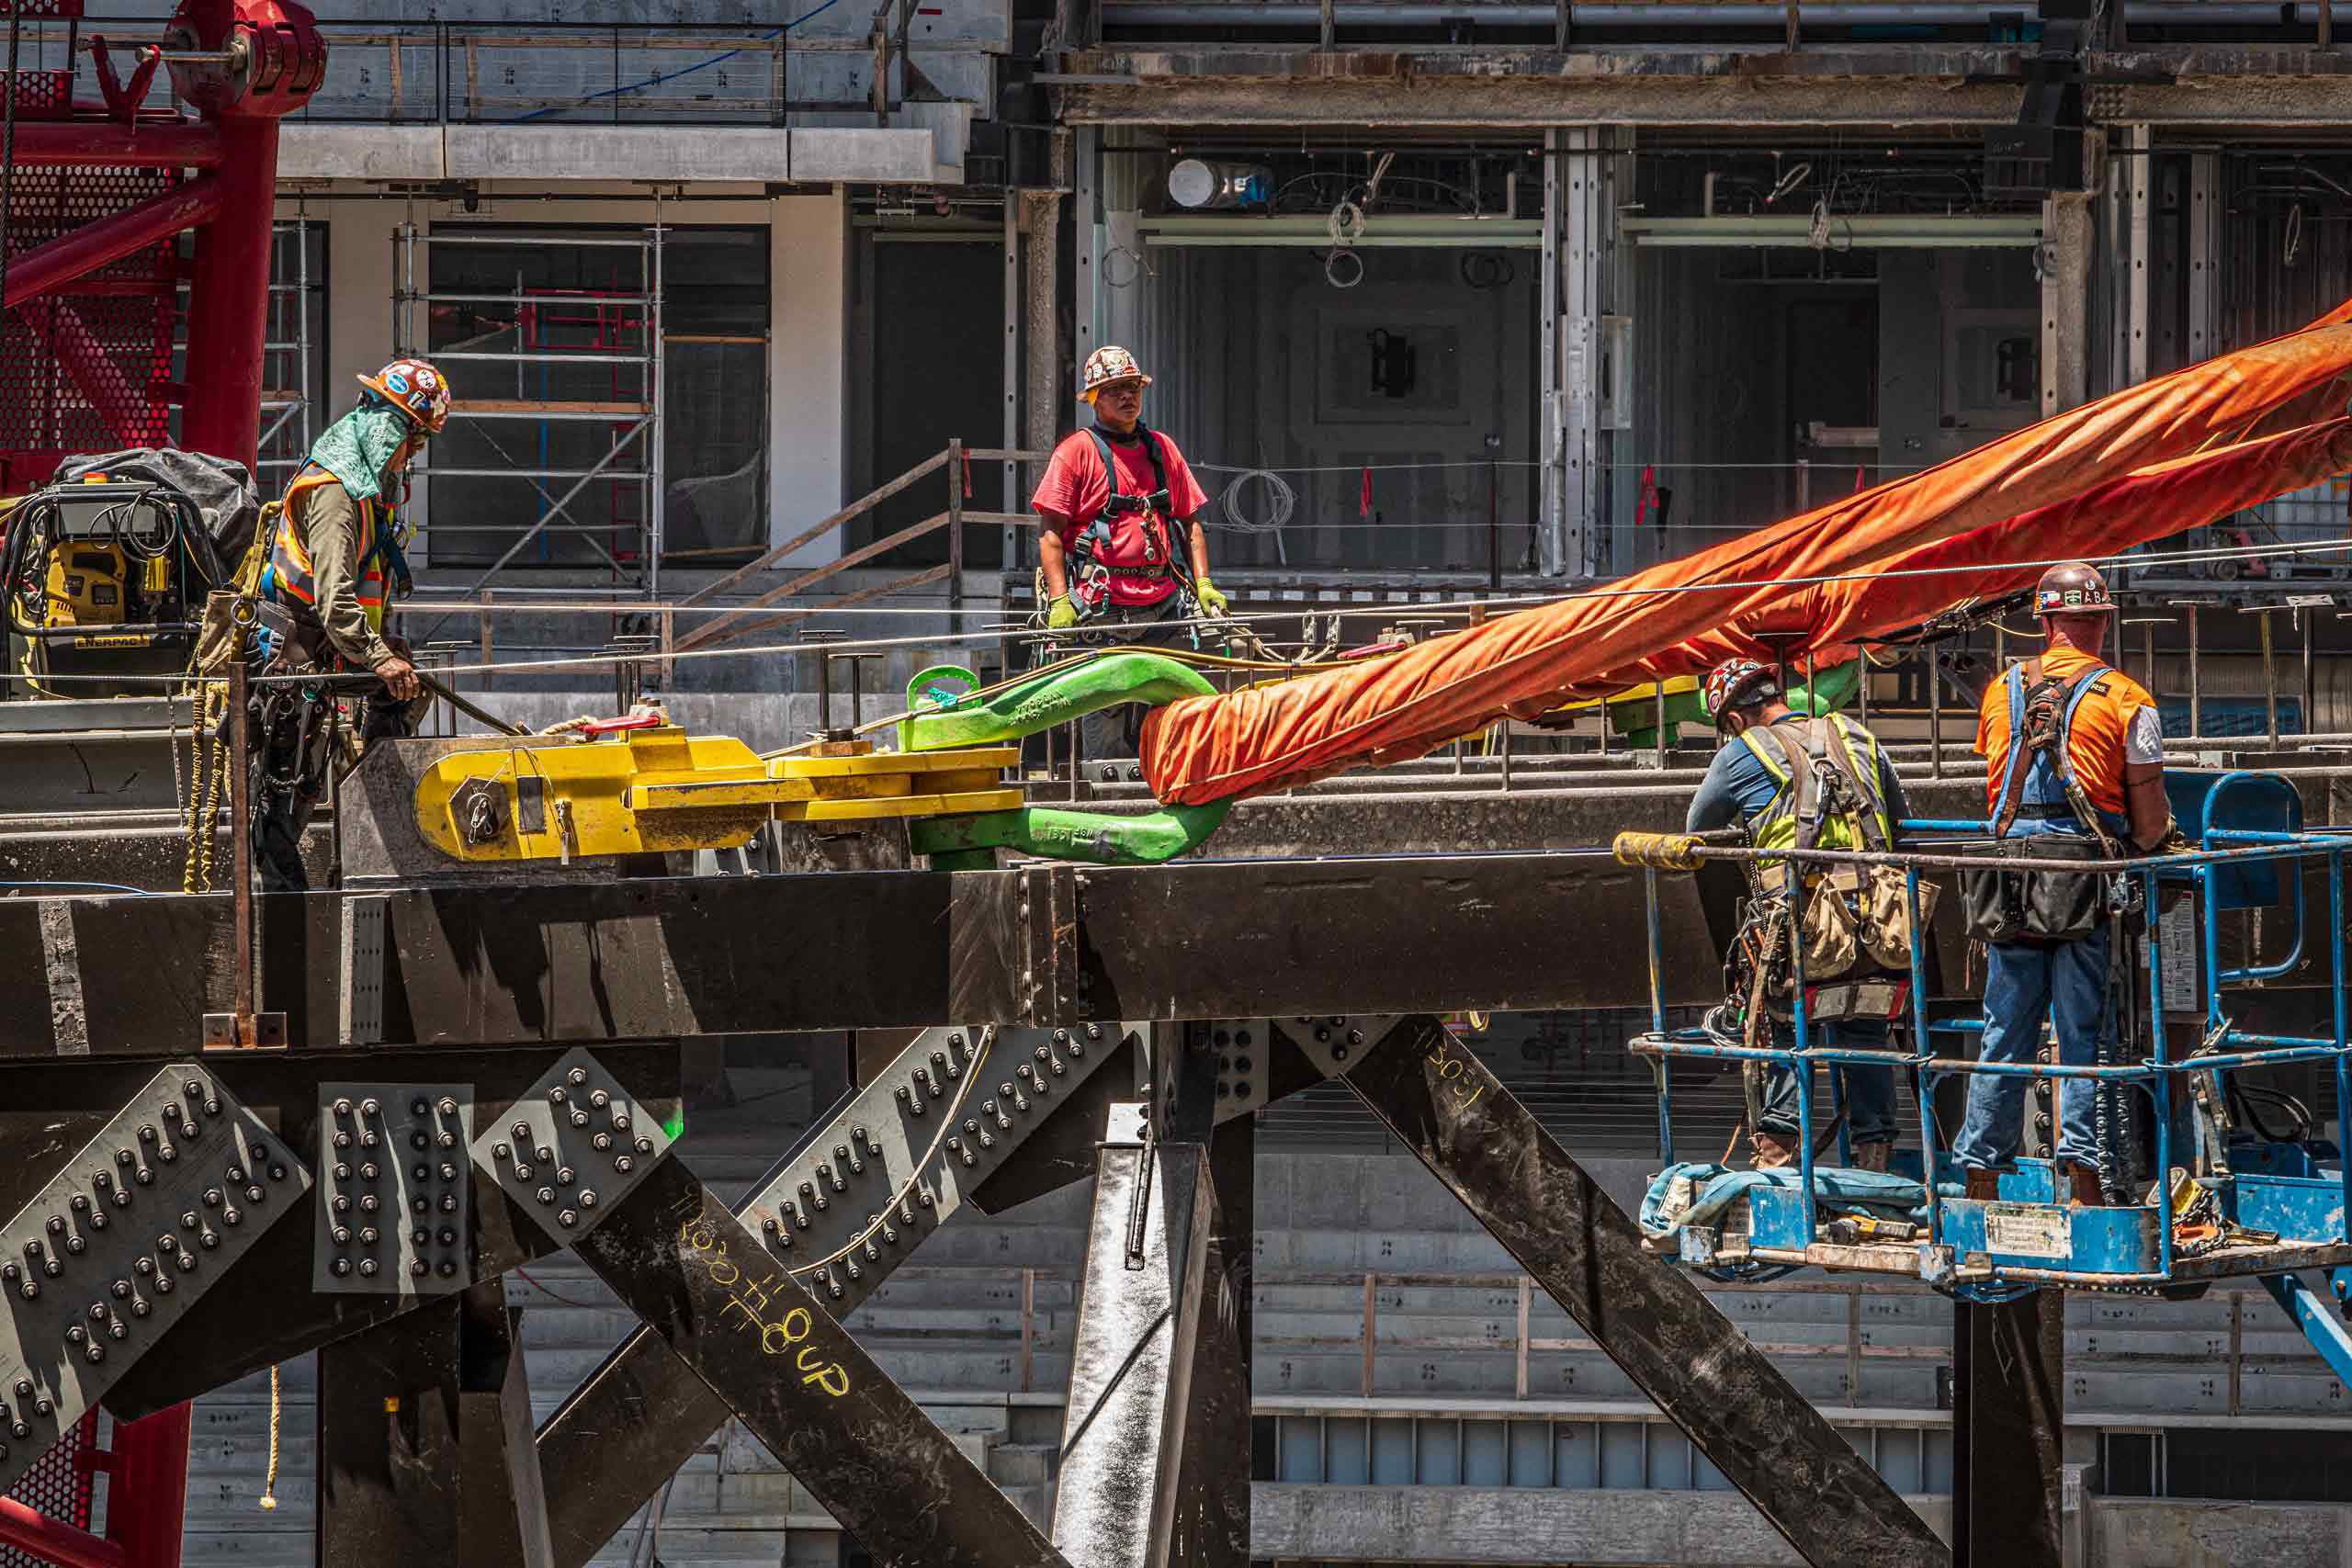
(888, 1179)
(173, 1191)
(1704, 1374)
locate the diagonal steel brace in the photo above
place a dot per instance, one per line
(1703, 1373)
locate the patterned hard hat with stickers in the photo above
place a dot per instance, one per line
(416, 389)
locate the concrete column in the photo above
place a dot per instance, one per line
(1045, 394)
(807, 367)
(1577, 220)
(2066, 230)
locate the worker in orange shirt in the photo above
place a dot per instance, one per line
(1121, 556)
(2073, 754)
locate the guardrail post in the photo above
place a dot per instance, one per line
(1853, 1346)
(957, 480)
(1370, 1327)
(485, 638)
(1526, 1298)
(1028, 1326)
(2237, 1349)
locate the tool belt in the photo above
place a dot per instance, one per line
(2033, 907)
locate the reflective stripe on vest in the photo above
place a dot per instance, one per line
(289, 574)
(2041, 785)
(1775, 828)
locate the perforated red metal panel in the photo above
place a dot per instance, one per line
(59, 1485)
(46, 94)
(83, 370)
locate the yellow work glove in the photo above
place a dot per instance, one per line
(1061, 614)
(1211, 601)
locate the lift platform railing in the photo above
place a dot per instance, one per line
(2225, 853)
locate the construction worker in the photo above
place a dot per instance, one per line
(1773, 771)
(334, 565)
(1122, 556)
(2073, 754)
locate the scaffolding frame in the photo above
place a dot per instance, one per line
(637, 424)
(284, 405)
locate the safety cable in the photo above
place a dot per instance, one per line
(948, 1124)
(1446, 608)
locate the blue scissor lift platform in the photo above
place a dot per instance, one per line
(2226, 1206)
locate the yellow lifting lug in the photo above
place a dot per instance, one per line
(660, 789)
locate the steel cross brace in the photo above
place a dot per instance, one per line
(641, 1415)
(675, 1255)
(1694, 1363)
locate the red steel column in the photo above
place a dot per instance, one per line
(229, 298)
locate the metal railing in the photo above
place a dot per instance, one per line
(1027, 1330)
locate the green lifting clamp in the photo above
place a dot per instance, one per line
(946, 709)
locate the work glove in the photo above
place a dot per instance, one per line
(1061, 614)
(1211, 601)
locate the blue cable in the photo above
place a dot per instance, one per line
(108, 886)
(669, 76)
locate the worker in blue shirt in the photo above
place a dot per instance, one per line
(1770, 756)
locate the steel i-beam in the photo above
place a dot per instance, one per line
(2009, 1430)
(641, 1415)
(1141, 1306)
(797, 1381)
(1694, 1363)
(1131, 1359)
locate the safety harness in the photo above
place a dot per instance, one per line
(1091, 584)
(2041, 726)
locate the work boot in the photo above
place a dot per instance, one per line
(1984, 1185)
(1873, 1156)
(1769, 1151)
(2086, 1188)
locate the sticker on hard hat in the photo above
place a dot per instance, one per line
(395, 382)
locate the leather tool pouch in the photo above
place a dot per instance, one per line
(2035, 906)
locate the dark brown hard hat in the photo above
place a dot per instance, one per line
(2072, 588)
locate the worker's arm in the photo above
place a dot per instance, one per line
(1053, 557)
(1717, 803)
(2143, 779)
(1890, 790)
(331, 522)
(1199, 537)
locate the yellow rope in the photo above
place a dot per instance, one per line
(269, 1481)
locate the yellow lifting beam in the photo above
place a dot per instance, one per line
(662, 789)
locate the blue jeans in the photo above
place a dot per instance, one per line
(2069, 984)
(1870, 1091)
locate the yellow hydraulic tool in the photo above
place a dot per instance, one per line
(660, 788)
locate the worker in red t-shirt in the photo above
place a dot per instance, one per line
(1121, 555)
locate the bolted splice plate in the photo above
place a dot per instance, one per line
(109, 1256)
(943, 1118)
(395, 1208)
(572, 1146)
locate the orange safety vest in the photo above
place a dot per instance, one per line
(289, 574)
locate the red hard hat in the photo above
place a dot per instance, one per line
(1727, 683)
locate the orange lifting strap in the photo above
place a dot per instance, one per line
(2141, 463)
